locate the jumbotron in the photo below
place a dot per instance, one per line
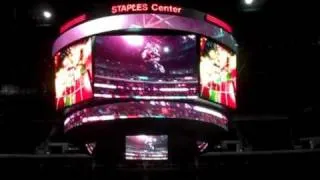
(145, 81)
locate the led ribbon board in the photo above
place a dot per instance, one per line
(145, 109)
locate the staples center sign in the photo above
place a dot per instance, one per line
(143, 7)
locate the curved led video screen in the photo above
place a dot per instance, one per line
(73, 74)
(137, 22)
(145, 109)
(146, 147)
(218, 73)
(146, 66)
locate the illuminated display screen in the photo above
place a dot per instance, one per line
(137, 22)
(218, 73)
(73, 74)
(146, 147)
(144, 66)
(145, 109)
(143, 7)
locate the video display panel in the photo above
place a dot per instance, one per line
(146, 66)
(145, 109)
(73, 74)
(218, 73)
(146, 147)
(137, 22)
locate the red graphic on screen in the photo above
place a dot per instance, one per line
(73, 72)
(218, 73)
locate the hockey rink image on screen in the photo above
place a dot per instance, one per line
(218, 73)
(73, 74)
(146, 147)
(146, 66)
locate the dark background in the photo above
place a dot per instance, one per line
(279, 43)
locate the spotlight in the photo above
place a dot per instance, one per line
(134, 40)
(192, 36)
(248, 2)
(166, 49)
(47, 14)
(251, 5)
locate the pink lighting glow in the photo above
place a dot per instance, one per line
(134, 40)
(74, 32)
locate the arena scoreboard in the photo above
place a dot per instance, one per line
(145, 60)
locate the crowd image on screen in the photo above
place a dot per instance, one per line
(145, 109)
(73, 74)
(145, 65)
(146, 147)
(218, 73)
